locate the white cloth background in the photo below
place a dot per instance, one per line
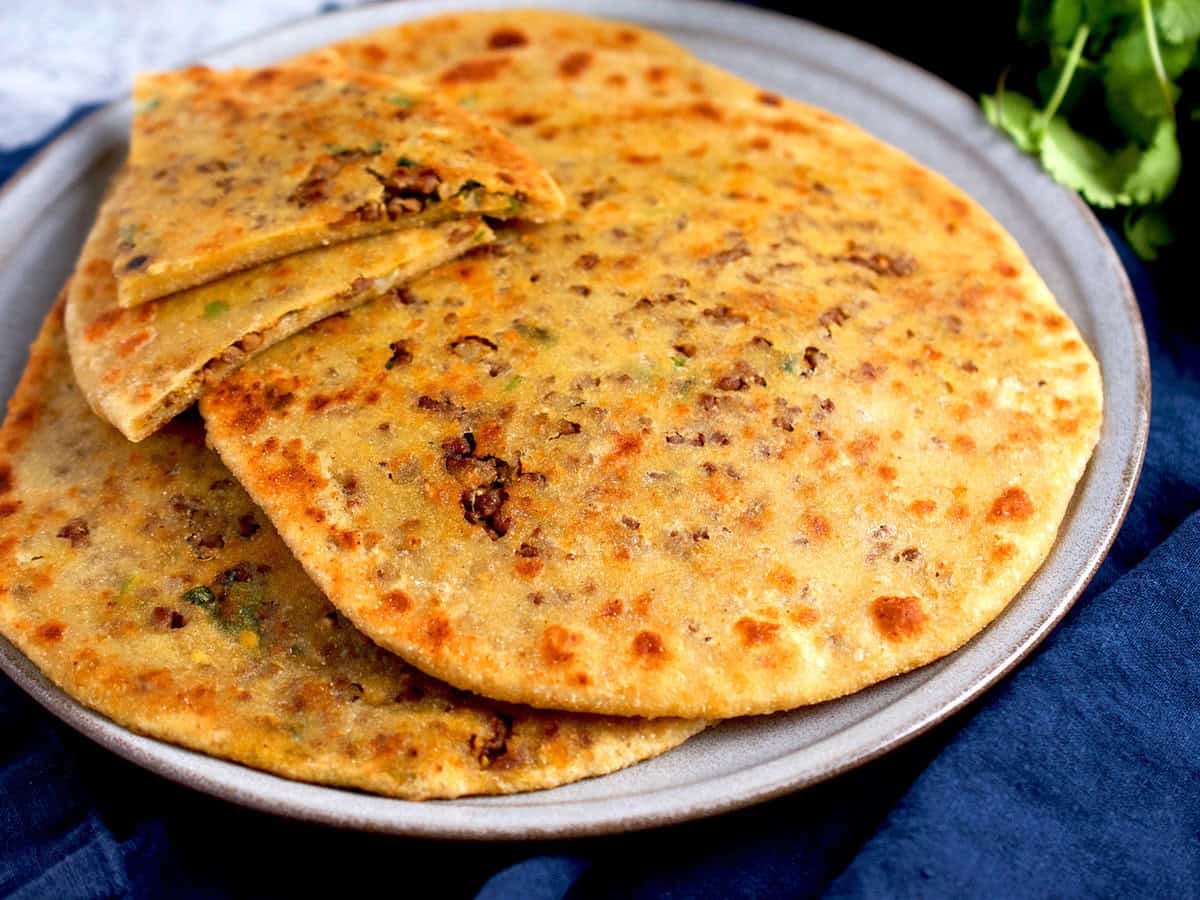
(58, 54)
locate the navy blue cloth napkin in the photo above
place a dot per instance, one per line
(1079, 775)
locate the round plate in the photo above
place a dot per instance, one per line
(47, 208)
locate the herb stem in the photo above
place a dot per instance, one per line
(1000, 98)
(1156, 57)
(1068, 72)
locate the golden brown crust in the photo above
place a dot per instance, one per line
(440, 41)
(235, 168)
(144, 582)
(142, 366)
(773, 414)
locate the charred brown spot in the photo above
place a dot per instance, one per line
(247, 525)
(769, 99)
(528, 568)
(557, 644)
(104, 323)
(397, 601)
(573, 64)
(75, 531)
(898, 618)
(437, 630)
(587, 261)
(127, 346)
(753, 631)
(503, 38)
(648, 643)
(6, 478)
(1003, 552)
(474, 70)
(50, 632)
(816, 526)
(1013, 505)
(626, 445)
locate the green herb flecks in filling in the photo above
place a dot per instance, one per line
(200, 596)
(535, 333)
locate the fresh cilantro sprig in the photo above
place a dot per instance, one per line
(1106, 119)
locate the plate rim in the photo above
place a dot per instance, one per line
(333, 806)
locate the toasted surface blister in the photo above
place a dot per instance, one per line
(139, 367)
(229, 169)
(144, 582)
(773, 414)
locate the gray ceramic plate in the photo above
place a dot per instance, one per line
(46, 209)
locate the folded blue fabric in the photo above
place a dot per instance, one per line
(1077, 776)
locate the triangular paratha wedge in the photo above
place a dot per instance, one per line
(773, 414)
(140, 367)
(144, 582)
(229, 169)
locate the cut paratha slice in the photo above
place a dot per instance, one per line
(145, 583)
(229, 169)
(140, 367)
(773, 414)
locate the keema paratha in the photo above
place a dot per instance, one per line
(773, 414)
(229, 169)
(143, 581)
(139, 367)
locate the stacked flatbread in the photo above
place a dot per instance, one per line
(761, 413)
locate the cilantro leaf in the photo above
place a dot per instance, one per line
(1136, 97)
(1108, 125)
(1150, 174)
(1131, 176)
(1148, 232)
(1049, 21)
(1015, 115)
(1178, 20)
(1080, 163)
